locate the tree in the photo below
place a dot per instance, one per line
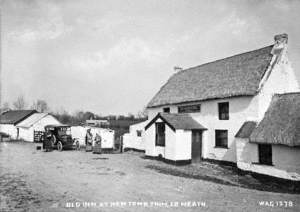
(5, 106)
(130, 116)
(63, 116)
(20, 103)
(40, 105)
(142, 114)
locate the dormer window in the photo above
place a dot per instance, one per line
(223, 110)
(196, 108)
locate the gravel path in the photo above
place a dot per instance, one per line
(33, 180)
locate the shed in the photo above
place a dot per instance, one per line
(34, 125)
(107, 135)
(9, 120)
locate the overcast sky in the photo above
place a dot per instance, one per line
(111, 57)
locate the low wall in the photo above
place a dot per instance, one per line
(131, 141)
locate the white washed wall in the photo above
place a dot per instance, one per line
(150, 141)
(168, 151)
(131, 140)
(170, 145)
(241, 109)
(9, 129)
(281, 80)
(107, 135)
(183, 145)
(26, 134)
(152, 112)
(285, 160)
(47, 120)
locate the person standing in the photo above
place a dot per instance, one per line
(97, 147)
(88, 140)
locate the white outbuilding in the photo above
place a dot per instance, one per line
(107, 135)
(30, 128)
(135, 139)
(9, 120)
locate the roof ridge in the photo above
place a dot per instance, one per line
(288, 93)
(225, 58)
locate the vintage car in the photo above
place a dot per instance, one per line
(58, 137)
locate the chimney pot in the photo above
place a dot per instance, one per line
(281, 38)
(280, 46)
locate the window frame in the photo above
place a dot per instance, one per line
(187, 108)
(221, 111)
(166, 108)
(139, 133)
(218, 143)
(162, 141)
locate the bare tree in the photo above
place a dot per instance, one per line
(40, 105)
(142, 113)
(5, 107)
(20, 103)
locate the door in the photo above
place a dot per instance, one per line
(18, 133)
(160, 134)
(196, 145)
(265, 154)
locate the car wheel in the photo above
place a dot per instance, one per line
(59, 146)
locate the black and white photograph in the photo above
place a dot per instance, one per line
(153, 105)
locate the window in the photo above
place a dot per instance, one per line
(166, 110)
(265, 154)
(222, 138)
(224, 111)
(160, 134)
(139, 133)
(189, 108)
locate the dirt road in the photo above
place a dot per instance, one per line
(33, 180)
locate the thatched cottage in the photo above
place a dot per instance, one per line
(198, 113)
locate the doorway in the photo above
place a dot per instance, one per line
(265, 154)
(18, 133)
(196, 145)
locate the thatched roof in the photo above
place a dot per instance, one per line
(15, 116)
(237, 75)
(177, 121)
(281, 123)
(246, 129)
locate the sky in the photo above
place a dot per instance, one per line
(112, 56)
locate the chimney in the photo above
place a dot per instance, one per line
(177, 68)
(280, 43)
